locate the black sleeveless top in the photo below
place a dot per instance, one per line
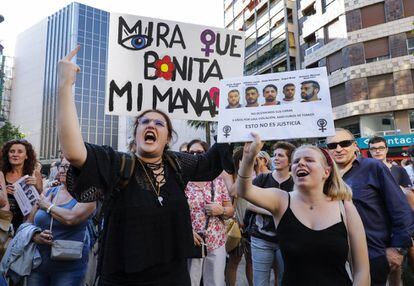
(14, 208)
(312, 257)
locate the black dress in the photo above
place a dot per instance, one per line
(144, 243)
(313, 257)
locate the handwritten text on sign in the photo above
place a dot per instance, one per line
(168, 65)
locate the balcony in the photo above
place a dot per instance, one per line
(267, 58)
(313, 48)
(250, 49)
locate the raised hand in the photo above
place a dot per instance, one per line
(67, 69)
(251, 149)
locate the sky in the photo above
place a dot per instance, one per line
(19, 15)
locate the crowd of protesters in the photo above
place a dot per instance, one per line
(310, 215)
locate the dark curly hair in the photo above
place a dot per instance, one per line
(29, 163)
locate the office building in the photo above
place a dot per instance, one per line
(33, 105)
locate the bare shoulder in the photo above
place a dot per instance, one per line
(283, 198)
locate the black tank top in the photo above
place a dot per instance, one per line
(312, 257)
(14, 208)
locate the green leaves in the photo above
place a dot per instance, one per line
(9, 132)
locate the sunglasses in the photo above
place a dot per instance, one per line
(146, 121)
(343, 144)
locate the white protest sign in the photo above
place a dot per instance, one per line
(172, 66)
(25, 195)
(284, 105)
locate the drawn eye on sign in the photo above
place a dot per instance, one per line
(133, 38)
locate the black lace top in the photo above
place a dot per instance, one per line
(140, 233)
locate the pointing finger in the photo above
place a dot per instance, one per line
(73, 53)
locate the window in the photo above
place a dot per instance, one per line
(381, 86)
(310, 40)
(335, 62)
(333, 31)
(289, 15)
(309, 11)
(376, 50)
(325, 4)
(314, 65)
(338, 95)
(411, 115)
(377, 124)
(410, 44)
(352, 124)
(373, 15)
(408, 8)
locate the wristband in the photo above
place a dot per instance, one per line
(49, 209)
(243, 177)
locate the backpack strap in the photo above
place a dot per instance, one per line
(126, 171)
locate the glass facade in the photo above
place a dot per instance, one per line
(87, 26)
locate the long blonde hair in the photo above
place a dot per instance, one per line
(334, 186)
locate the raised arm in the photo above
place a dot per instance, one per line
(358, 244)
(69, 133)
(208, 166)
(267, 199)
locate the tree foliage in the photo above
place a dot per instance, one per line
(9, 132)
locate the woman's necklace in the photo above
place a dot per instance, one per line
(157, 189)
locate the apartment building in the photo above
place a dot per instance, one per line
(270, 30)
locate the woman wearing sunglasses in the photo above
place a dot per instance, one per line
(210, 204)
(147, 234)
(313, 231)
(69, 221)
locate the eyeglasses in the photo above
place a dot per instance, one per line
(374, 149)
(146, 121)
(343, 144)
(196, 152)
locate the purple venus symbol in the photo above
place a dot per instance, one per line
(207, 37)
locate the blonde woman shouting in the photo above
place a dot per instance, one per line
(311, 226)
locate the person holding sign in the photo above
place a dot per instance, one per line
(252, 95)
(147, 235)
(18, 160)
(314, 222)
